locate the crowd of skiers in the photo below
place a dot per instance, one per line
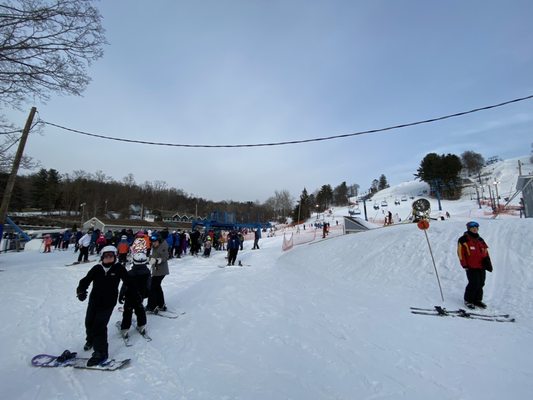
(149, 253)
(179, 242)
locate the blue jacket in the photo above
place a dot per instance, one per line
(234, 242)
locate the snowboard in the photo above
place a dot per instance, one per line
(49, 361)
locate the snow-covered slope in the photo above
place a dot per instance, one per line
(326, 320)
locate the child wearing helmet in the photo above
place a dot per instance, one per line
(133, 294)
(105, 278)
(123, 248)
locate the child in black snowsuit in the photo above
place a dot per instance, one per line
(133, 294)
(105, 278)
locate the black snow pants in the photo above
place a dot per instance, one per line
(96, 321)
(130, 305)
(156, 297)
(232, 256)
(476, 281)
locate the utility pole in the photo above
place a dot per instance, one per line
(14, 170)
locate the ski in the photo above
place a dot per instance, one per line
(126, 338)
(443, 310)
(165, 314)
(463, 314)
(50, 361)
(160, 313)
(244, 265)
(80, 262)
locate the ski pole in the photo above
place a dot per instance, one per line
(434, 266)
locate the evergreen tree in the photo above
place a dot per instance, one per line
(353, 190)
(46, 193)
(383, 184)
(442, 174)
(374, 187)
(324, 197)
(340, 195)
(302, 211)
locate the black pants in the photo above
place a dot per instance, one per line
(96, 320)
(256, 244)
(130, 305)
(476, 281)
(232, 256)
(156, 298)
(84, 253)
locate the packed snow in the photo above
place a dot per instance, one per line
(327, 319)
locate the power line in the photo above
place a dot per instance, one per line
(426, 121)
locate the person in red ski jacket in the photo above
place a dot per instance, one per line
(474, 258)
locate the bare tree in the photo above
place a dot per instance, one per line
(100, 177)
(9, 138)
(46, 47)
(472, 162)
(129, 180)
(282, 202)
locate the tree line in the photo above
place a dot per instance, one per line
(98, 195)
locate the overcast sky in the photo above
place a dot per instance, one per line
(247, 72)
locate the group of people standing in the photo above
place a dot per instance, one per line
(142, 281)
(150, 266)
(149, 255)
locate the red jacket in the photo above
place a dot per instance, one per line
(101, 240)
(472, 249)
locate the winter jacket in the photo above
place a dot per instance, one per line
(160, 268)
(170, 240)
(123, 247)
(138, 286)
(233, 242)
(101, 241)
(85, 240)
(104, 292)
(472, 251)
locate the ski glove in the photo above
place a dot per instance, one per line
(82, 296)
(152, 261)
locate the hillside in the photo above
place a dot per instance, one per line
(328, 319)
